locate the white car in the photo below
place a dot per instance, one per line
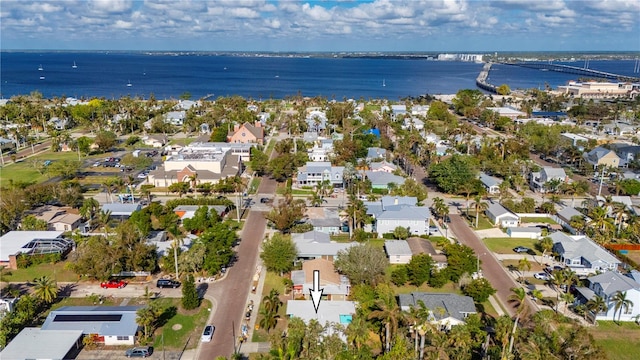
(541, 276)
(142, 176)
(207, 333)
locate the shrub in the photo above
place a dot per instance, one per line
(400, 275)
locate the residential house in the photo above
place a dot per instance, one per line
(7, 305)
(155, 140)
(420, 110)
(582, 255)
(164, 245)
(328, 313)
(59, 124)
(624, 200)
(112, 325)
(15, 243)
(575, 139)
(120, 211)
(383, 166)
(36, 343)
(314, 173)
(186, 104)
(445, 310)
(525, 232)
(188, 211)
(316, 246)
(563, 217)
(539, 180)
(397, 111)
(413, 123)
(324, 219)
(602, 157)
(6, 145)
(419, 245)
(381, 179)
(607, 285)
(335, 287)
(491, 184)
(398, 251)
(627, 153)
(316, 121)
(247, 133)
(392, 212)
(499, 216)
(58, 219)
(175, 118)
(375, 153)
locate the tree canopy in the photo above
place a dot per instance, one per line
(362, 264)
(279, 253)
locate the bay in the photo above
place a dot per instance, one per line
(106, 74)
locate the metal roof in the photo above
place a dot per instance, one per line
(14, 241)
(118, 209)
(454, 305)
(36, 343)
(308, 250)
(397, 248)
(90, 320)
(489, 181)
(328, 311)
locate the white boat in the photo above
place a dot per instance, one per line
(74, 66)
(384, 83)
(129, 84)
(41, 77)
(40, 67)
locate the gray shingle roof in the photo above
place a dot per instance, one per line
(397, 248)
(454, 305)
(383, 178)
(612, 282)
(498, 210)
(574, 247)
(311, 237)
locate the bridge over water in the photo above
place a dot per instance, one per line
(573, 70)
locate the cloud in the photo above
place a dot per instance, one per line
(367, 23)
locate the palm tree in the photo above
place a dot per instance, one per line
(357, 331)
(145, 318)
(45, 289)
(89, 208)
(519, 296)
(440, 208)
(272, 301)
(620, 302)
(480, 206)
(387, 311)
(103, 220)
(523, 264)
(597, 305)
(269, 319)
(600, 219)
(177, 235)
(568, 298)
(546, 244)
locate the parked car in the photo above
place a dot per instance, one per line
(167, 283)
(433, 230)
(111, 284)
(144, 351)
(541, 276)
(207, 333)
(142, 175)
(521, 249)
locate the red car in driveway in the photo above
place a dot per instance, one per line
(113, 284)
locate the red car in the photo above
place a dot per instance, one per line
(113, 284)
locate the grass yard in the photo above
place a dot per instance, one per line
(544, 220)
(181, 326)
(620, 342)
(506, 245)
(55, 271)
(271, 281)
(24, 170)
(255, 184)
(483, 222)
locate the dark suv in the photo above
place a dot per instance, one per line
(167, 283)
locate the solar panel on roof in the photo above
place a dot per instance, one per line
(87, 318)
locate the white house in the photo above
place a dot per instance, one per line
(607, 285)
(175, 117)
(398, 212)
(582, 255)
(538, 180)
(328, 313)
(500, 216)
(491, 184)
(113, 325)
(36, 343)
(398, 251)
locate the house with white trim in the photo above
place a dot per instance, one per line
(445, 310)
(583, 255)
(490, 183)
(607, 285)
(499, 216)
(398, 251)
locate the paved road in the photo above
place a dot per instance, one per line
(231, 293)
(491, 267)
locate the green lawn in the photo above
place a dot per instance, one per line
(505, 245)
(55, 271)
(255, 184)
(620, 342)
(183, 326)
(25, 171)
(544, 220)
(483, 222)
(271, 281)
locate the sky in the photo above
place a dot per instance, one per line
(321, 26)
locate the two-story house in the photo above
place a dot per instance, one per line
(607, 286)
(247, 133)
(314, 173)
(602, 157)
(582, 255)
(539, 180)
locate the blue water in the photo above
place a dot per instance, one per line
(169, 76)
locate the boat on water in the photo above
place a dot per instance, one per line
(129, 84)
(74, 66)
(40, 68)
(41, 77)
(384, 83)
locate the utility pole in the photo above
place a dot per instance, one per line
(601, 180)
